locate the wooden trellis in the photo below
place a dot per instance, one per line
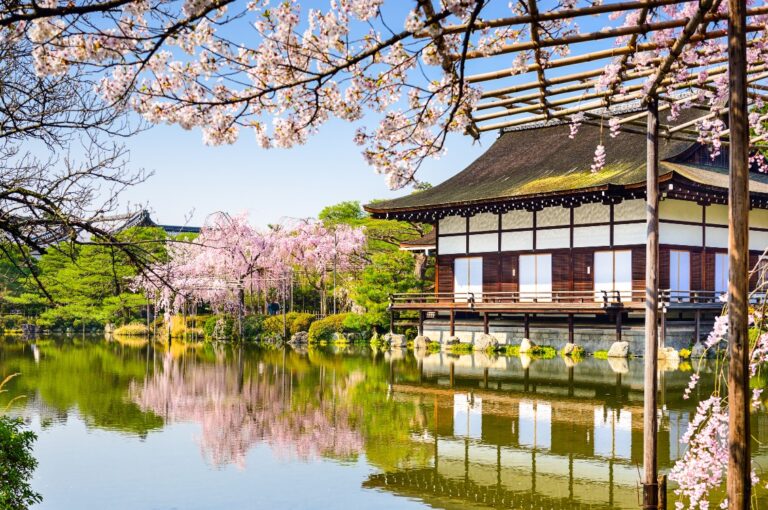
(546, 90)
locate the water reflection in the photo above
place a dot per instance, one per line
(446, 431)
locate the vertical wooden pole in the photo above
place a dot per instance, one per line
(453, 323)
(663, 492)
(526, 327)
(421, 323)
(486, 325)
(618, 326)
(650, 469)
(570, 328)
(739, 465)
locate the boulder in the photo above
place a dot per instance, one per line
(619, 350)
(526, 345)
(451, 340)
(339, 338)
(484, 360)
(397, 340)
(525, 361)
(300, 338)
(569, 349)
(421, 342)
(484, 342)
(568, 361)
(669, 354)
(699, 351)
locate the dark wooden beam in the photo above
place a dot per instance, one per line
(738, 483)
(650, 467)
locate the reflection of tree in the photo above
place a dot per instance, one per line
(237, 412)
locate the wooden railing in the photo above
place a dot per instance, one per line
(606, 298)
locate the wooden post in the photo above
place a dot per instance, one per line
(452, 323)
(697, 326)
(526, 327)
(451, 374)
(570, 328)
(739, 463)
(618, 326)
(486, 325)
(421, 323)
(650, 468)
(391, 320)
(662, 492)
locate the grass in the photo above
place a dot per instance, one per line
(577, 353)
(460, 348)
(600, 354)
(433, 347)
(133, 329)
(538, 351)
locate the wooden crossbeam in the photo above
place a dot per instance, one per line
(677, 48)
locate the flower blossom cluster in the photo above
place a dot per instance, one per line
(231, 258)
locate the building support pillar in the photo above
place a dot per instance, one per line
(452, 323)
(738, 483)
(570, 329)
(650, 387)
(526, 327)
(618, 326)
(421, 323)
(486, 324)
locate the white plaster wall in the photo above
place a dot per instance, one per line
(517, 219)
(758, 218)
(629, 210)
(717, 214)
(717, 237)
(480, 243)
(591, 236)
(684, 235)
(453, 225)
(553, 238)
(553, 217)
(516, 241)
(451, 245)
(631, 233)
(681, 210)
(758, 240)
(484, 221)
(591, 213)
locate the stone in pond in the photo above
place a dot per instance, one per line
(299, 338)
(619, 350)
(421, 342)
(398, 341)
(526, 345)
(484, 342)
(569, 349)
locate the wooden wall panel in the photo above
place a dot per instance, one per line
(561, 272)
(491, 273)
(663, 268)
(697, 279)
(638, 270)
(509, 268)
(583, 280)
(444, 274)
(753, 260)
(708, 278)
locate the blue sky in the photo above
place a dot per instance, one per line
(193, 179)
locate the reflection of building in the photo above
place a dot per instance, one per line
(543, 436)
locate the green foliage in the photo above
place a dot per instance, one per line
(510, 350)
(219, 327)
(132, 329)
(323, 329)
(12, 321)
(460, 348)
(388, 273)
(273, 326)
(600, 354)
(300, 321)
(576, 353)
(542, 352)
(253, 326)
(16, 465)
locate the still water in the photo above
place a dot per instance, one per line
(135, 425)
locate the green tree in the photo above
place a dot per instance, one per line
(16, 465)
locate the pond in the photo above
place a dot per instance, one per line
(135, 425)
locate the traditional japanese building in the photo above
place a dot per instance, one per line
(529, 233)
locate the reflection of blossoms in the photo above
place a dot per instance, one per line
(236, 413)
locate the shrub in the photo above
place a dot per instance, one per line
(300, 321)
(16, 465)
(273, 326)
(543, 351)
(132, 329)
(460, 348)
(323, 329)
(12, 321)
(510, 350)
(253, 326)
(219, 327)
(601, 354)
(685, 353)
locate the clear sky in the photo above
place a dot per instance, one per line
(193, 179)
